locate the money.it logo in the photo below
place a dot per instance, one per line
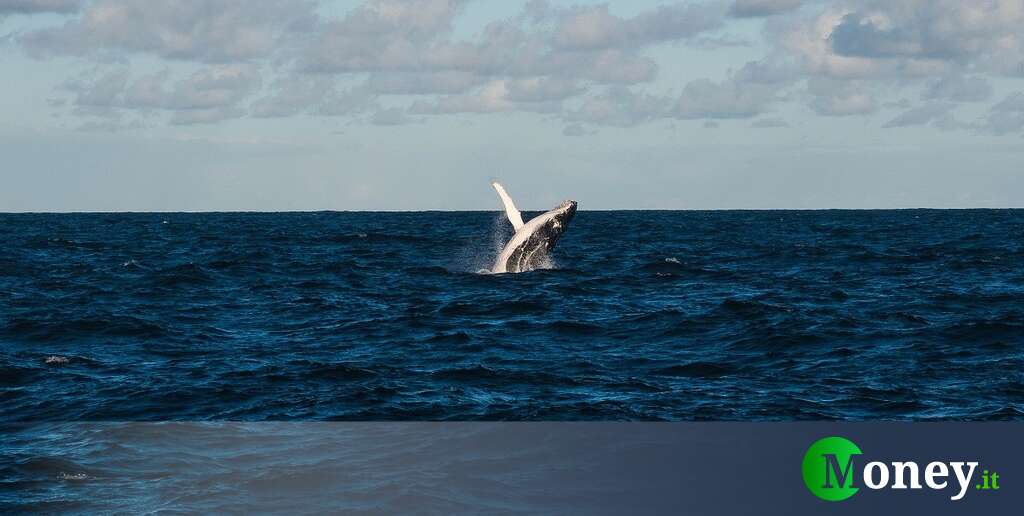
(831, 473)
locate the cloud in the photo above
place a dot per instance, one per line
(939, 29)
(209, 94)
(959, 88)
(148, 91)
(832, 97)
(745, 93)
(400, 61)
(210, 31)
(542, 89)
(213, 87)
(108, 126)
(853, 53)
(619, 106)
(595, 28)
(764, 72)
(532, 63)
(535, 94)
(930, 37)
(758, 8)
(921, 115)
(349, 102)
(38, 6)
(291, 96)
(98, 94)
(392, 116)
(577, 130)
(423, 83)
(400, 43)
(731, 98)
(807, 41)
(769, 123)
(1007, 116)
(383, 35)
(206, 115)
(862, 36)
(494, 97)
(609, 66)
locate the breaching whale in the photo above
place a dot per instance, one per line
(530, 244)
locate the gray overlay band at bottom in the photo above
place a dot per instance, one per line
(485, 468)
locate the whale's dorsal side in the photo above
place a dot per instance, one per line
(514, 216)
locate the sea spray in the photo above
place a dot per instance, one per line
(478, 254)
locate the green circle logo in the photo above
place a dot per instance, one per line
(829, 470)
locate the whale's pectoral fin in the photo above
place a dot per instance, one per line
(510, 207)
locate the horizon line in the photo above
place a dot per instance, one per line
(172, 212)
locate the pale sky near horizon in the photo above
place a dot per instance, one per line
(221, 105)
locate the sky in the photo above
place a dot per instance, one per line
(223, 105)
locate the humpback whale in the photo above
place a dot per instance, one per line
(532, 240)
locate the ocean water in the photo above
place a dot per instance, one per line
(661, 315)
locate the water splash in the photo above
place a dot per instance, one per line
(479, 254)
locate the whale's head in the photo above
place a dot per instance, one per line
(556, 221)
(561, 215)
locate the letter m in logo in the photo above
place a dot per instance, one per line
(832, 469)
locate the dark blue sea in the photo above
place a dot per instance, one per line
(644, 315)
